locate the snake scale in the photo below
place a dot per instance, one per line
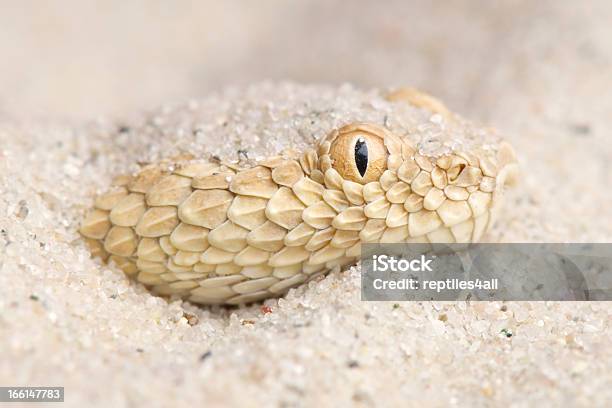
(213, 232)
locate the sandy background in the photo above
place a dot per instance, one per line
(539, 71)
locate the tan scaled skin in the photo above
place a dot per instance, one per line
(214, 233)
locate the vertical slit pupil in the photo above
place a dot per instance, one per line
(361, 156)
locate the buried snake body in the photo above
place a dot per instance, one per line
(217, 233)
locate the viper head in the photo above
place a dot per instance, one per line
(407, 193)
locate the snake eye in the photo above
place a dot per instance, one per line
(359, 155)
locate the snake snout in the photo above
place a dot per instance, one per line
(508, 166)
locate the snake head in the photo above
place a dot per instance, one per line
(406, 196)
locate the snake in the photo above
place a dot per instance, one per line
(214, 232)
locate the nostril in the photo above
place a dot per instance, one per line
(454, 172)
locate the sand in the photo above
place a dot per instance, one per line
(540, 73)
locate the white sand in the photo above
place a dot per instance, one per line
(541, 73)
